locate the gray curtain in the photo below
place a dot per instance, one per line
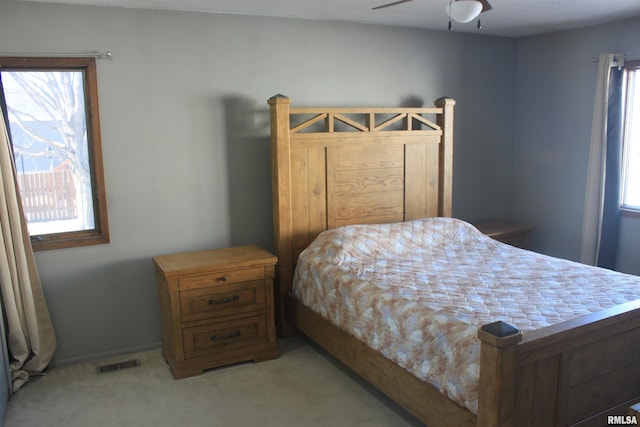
(605, 134)
(31, 338)
(613, 171)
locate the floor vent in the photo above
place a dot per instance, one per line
(118, 366)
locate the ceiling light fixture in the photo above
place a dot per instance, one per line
(463, 11)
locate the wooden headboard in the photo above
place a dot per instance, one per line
(339, 166)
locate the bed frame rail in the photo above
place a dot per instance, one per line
(417, 397)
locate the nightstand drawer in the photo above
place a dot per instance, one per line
(225, 336)
(223, 300)
(221, 278)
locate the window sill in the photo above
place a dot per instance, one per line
(68, 240)
(634, 213)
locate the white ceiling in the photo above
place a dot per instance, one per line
(509, 18)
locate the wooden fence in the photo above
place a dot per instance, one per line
(48, 196)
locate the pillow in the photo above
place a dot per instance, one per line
(354, 242)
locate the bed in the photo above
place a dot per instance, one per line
(336, 168)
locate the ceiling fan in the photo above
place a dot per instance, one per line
(459, 10)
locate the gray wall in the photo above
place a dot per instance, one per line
(555, 88)
(185, 135)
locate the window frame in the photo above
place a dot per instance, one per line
(100, 233)
(628, 210)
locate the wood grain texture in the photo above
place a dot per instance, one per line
(498, 385)
(216, 308)
(364, 165)
(339, 166)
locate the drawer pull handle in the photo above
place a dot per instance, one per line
(221, 279)
(236, 334)
(224, 300)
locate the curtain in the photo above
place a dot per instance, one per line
(602, 198)
(31, 339)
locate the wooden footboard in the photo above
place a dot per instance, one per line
(576, 373)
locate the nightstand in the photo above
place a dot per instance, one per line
(507, 232)
(216, 308)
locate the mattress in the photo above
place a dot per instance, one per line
(417, 292)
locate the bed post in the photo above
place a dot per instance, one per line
(497, 387)
(445, 181)
(282, 221)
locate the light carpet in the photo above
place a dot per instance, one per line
(303, 387)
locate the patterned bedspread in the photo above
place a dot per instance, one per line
(418, 291)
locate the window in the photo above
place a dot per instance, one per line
(51, 109)
(631, 157)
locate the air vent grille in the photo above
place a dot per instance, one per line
(134, 363)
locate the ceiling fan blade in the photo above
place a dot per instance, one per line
(485, 5)
(392, 4)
